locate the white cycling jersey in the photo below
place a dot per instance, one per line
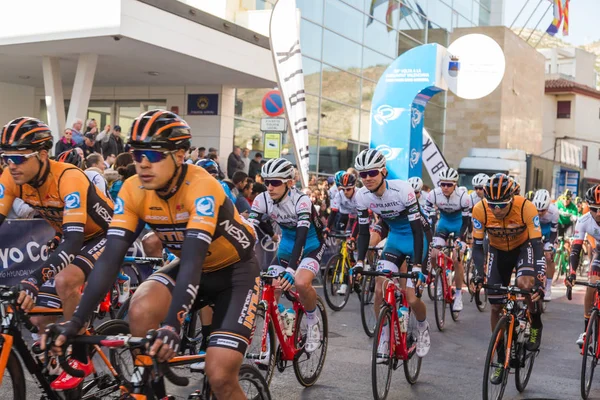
(343, 204)
(586, 224)
(396, 206)
(474, 199)
(454, 205)
(550, 217)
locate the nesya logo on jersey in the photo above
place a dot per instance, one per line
(236, 233)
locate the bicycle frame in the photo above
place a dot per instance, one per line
(398, 349)
(446, 264)
(508, 311)
(287, 344)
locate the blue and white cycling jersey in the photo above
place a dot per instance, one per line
(397, 207)
(452, 210)
(549, 223)
(344, 205)
(292, 212)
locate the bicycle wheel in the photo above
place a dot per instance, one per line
(439, 301)
(589, 360)
(382, 364)
(253, 383)
(412, 366)
(13, 380)
(524, 365)
(120, 358)
(308, 366)
(481, 299)
(367, 312)
(430, 286)
(469, 274)
(264, 361)
(124, 310)
(336, 275)
(497, 343)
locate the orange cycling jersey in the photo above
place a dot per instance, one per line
(199, 204)
(520, 224)
(66, 197)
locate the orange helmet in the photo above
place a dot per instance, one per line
(499, 188)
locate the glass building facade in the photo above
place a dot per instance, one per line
(346, 46)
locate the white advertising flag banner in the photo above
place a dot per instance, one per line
(433, 159)
(287, 57)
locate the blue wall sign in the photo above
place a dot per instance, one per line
(203, 104)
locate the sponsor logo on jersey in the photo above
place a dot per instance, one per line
(205, 206)
(102, 212)
(183, 215)
(477, 224)
(240, 236)
(1, 191)
(119, 206)
(536, 221)
(156, 218)
(411, 197)
(72, 201)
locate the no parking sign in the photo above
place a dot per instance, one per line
(272, 103)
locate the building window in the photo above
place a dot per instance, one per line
(563, 109)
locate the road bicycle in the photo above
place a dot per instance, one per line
(337, 282)
(590, 349)
(444, 293)
(101, 383)
(507, 349)
(269, 326)
(402, 333)
(149, 373)
(561, 260)
(367, 293)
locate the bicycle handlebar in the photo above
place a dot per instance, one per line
(389, 274)
(10, 294)
(339, 235)
(595, 285)
(142, 260)
(509, 289)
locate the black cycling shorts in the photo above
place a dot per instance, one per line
(85, 260)
(234, 293)
(500, 266)
(565, 230)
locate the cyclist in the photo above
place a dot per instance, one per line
(530, 195)
(301, 247)
(196, 221)
(396, 204)
(213, 168)
(417, 184)
(549, 223)
(344, 203)
(513, 228)
(479, 181)
(588, 224)
(454, 206)
(337, 178)
(63, 196)
(567, 214)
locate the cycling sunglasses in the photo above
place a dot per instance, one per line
(370, 173)
(347, 189)
(446, 184)
(273, 182)
(594, 209)
(478, 188)
(18, 159)
(498, 205)
(153, 156)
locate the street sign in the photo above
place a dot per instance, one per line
(272, 145)
(273, 124)
(272, 103)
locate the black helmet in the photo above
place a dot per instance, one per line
(71, 157)
(499, 188)
(160, 129)
(592, 196)
(348, 179)
(26, 133)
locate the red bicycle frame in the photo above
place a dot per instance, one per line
(445, 263)
(287, 344)
(398, 348)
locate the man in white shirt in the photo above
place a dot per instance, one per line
(95, 171)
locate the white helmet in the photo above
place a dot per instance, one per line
(541, 200)
(448, 174)
(480, 180)
(369, 159)
(416, 182)
(278, 168)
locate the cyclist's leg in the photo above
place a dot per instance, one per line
(307, 270)
(47, 298)
(152, 245)
(235, 291)
(500, 265)
(550, 269)
(593, 277)
(150, 302)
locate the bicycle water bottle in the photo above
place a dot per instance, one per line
(403, 317)
(124, 285)
(282, 317)
(290, 320)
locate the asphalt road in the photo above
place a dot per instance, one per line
(453, 368)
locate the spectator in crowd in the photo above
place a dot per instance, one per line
(254, 166)
(246, 160)
(109, 161)
(76, 130)
(239, 179)
(95, 171)
(65, 143)
(242, 204)
(121, 163)
(91, 126)
(234, 162)
(215, 158)
(257, 188)
(88, 145)
(110, 142)
(192, 155)
(201, 153)
(213, 150)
